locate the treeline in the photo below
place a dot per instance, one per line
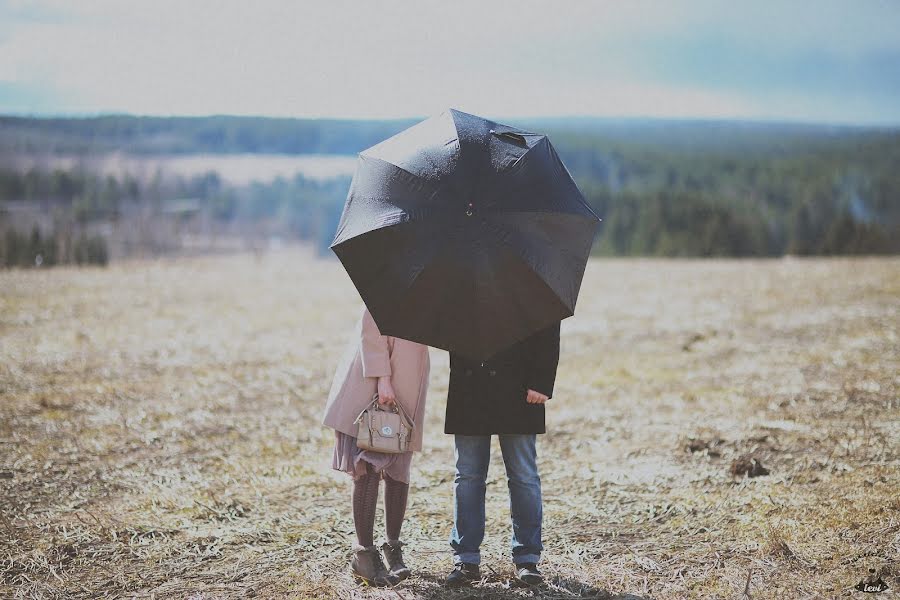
(56, 248)
(665, 223)
(185, 135)
(74, 207)
(806, 191)
(86, 196)
(664, 188)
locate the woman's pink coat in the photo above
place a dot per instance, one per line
(370, 355)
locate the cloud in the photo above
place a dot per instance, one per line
(387, 59)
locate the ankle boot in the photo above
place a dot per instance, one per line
(393, 552)
(368, 567)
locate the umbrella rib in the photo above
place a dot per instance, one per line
(511, 250)
(418, 213)
(568, 252)
(387, 162)
(515, 252)
(561, 165)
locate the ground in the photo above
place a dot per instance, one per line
(160, 434)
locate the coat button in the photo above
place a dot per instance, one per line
(493, 372)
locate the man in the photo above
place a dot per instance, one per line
(502, 396)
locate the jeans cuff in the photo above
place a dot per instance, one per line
(473, 558)
(526, 558)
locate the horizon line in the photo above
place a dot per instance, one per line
(768, 120)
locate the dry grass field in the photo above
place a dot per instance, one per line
(160, 436)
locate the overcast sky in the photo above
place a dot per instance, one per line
(809, 60)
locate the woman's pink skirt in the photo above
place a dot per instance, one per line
(349, 458)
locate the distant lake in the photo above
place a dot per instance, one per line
(234, 168)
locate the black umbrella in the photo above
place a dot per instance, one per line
(464, 234)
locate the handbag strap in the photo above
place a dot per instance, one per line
(374, 404)
(368, 406)
(409, 422)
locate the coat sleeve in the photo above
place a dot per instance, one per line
(373, 348)
(544, 352)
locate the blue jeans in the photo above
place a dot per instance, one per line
(473, 455)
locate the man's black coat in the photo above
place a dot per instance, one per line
(489, 397)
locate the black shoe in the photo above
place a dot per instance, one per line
(463, 573)
(528, 574)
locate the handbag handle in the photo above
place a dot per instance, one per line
(374, 404)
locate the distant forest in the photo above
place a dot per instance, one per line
(663, 188)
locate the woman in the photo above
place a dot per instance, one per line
(398, 370)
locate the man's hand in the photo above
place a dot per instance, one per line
(386, 393)
(534, 397)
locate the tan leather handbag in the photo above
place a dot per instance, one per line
(383, 428)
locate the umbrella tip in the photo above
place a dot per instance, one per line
(509, 136)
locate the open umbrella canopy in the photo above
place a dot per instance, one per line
(464, 234)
